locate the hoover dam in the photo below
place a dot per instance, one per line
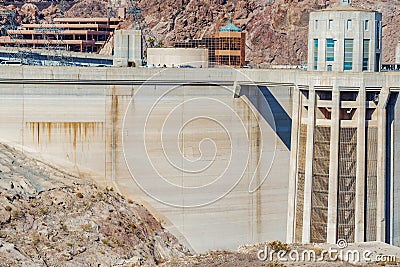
(213, 153)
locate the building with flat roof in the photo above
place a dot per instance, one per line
(111, 22)
(177, 57)
(70, 34)
(345, 38)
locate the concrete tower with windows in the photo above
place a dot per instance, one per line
(345, 38)
(338, 161)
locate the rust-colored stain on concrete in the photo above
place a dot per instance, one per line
(76, 130)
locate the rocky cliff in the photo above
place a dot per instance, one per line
(51, 218)
(276, 29)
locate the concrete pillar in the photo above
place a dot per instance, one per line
(292, 190)
(381, 165)
(127, 47)
(306, 237)
(333, 167)
(361, 165)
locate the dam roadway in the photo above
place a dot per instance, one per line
(206, 150)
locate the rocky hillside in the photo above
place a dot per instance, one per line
(51, 218)
(276, 29)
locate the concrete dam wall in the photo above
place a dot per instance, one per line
(207, 151)
(222, 157)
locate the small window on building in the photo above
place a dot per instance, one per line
(316, 24)
(349, 24)
(366, 25)
(329, 67)
(330, 24)
(315, 65)
(378, 34)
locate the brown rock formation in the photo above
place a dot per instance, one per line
(51, 218)
(276, 29)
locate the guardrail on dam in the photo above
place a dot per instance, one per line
(207, 150)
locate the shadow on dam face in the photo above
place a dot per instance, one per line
(280, 121)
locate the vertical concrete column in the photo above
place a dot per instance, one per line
(381, 165)
(333, 167)
(361, 164)
(306, 237)
(321, 54)
(292, 190)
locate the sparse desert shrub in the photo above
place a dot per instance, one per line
(109, 188)
(275, 263)
(278, 245)
(86, 227)
(63, 226)
(7, 208)
(150, 244)
(106, 242)
(17, 214)
(79, 194)
(44, 211)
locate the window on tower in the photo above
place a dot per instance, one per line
(365, 54)
(315, 65)
(348, 54)
(330, 50)
(349, 24)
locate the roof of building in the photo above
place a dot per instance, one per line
(62, 26)
(230, 27)
(346, 8)
(86, 20)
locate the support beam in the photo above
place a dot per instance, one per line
(359, 235)
(292, 190)
(381, 166)
(333, 167)
(308, 183)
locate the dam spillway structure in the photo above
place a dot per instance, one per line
(337, 184)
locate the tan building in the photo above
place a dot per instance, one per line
(231, 46)
(71, 34)
(227, 48)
